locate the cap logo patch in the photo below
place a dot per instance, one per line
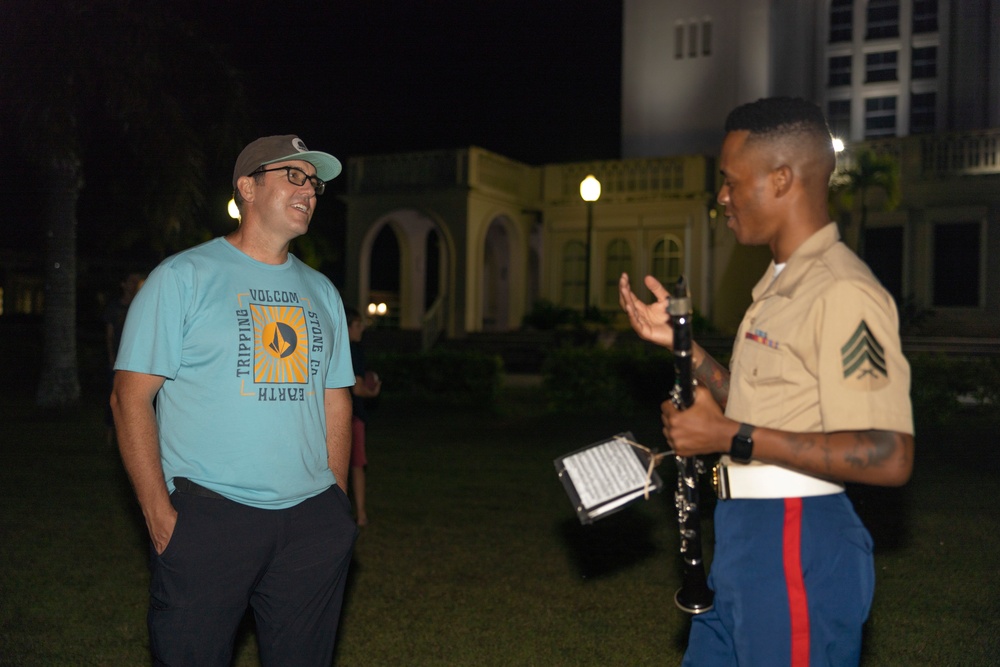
(863, 359)
(299, 145)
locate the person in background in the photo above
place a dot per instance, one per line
(114, 321)
(366, 386)
(816, 395)
(241, 471)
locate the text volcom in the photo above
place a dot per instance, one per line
(274, 296)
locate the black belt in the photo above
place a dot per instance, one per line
(184, 485)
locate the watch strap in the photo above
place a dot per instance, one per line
(741, 449)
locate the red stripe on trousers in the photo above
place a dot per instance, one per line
(798, 606)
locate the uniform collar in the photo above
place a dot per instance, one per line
(798, 264)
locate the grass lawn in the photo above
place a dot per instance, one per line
(474, 556)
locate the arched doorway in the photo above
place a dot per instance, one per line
(404, 262)
(496, 277)
(384, 280)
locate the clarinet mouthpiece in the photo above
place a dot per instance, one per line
(680, 289)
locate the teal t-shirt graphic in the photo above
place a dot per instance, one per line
(247, 350)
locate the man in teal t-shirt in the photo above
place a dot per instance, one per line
(241, 467)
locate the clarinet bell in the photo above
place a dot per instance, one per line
(694, 602)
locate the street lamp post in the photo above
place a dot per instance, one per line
(590, 191)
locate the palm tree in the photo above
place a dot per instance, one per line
(96, 74)
(852, 187)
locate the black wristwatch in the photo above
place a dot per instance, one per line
(741, 450)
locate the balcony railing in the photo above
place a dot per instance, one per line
(966, 153)
(468, 167)
(972, 153)
(401, 171)
(934, 156)
(633, 179)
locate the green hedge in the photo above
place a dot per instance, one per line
(449, 377)
(584, 379)
(942, 386)
(625, 380)
(638, 378)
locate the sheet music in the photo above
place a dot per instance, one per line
(605, 472)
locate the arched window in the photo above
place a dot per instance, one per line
(667, 263)
(573, 272)
(618, 260)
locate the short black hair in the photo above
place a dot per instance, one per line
(790, 121)
(352, 314)
(778, 115)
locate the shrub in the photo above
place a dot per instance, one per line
(587, 379)
(546, 316)
(451, 377)
(941, 383)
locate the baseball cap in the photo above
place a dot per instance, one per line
(278, 148)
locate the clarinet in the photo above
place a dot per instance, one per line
(694, 596)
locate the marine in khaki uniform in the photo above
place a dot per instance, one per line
(817, 394)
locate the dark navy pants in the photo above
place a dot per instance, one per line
(793, 579)
(290, 566)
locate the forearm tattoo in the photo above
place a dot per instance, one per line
(871, 449)
(858, 450)
(715, 377)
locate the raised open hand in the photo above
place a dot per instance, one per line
(649, 320)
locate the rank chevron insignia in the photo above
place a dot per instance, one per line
(863, 353)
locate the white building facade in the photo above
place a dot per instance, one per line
(478, 238)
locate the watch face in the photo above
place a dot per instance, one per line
(741, 449)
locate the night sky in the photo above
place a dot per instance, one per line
(535, 80)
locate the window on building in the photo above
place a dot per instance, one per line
(924, 62)
(841, 20)
(666, 260)
(956, 264)
(687, 31)
(574, 273)
(925, 16)
(840, 71)
(880, 117)
(884, 255)
(838, 117)
(880, 66)
(618, 260)
(923, 116)
(883, 19)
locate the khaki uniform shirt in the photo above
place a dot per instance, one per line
(819, 349)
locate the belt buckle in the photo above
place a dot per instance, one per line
(720, 481)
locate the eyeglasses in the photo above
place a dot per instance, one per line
(297, 177)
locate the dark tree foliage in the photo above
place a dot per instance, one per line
(114, 115)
